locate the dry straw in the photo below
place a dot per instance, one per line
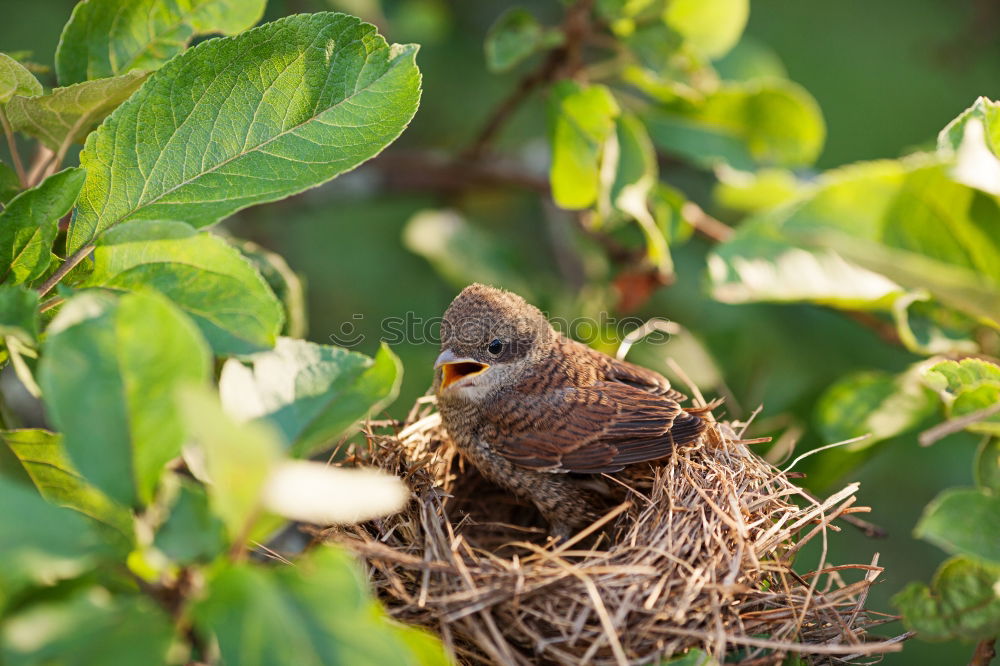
(696, 552)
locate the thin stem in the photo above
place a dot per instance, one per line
(15, 156)
(51, 303)
(41, 160)
(64, 147)
(67, 266)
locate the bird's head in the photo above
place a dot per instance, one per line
(489, 339)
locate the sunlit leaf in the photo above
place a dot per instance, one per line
(753, 192)
(756, 264)
(771, 122)
(328, 94)
(30, 222)
(968, 386)
(961, 602)
(92, 627)
(202, 274)
(311, 393)
(108, 37)
(319, 493)
(976, 165)
(43, 458)
(710, 26)
(906, 223)
(985, 111)
(67, 115)
(963, 522)
(109, 371)
(16, 80)
(580, 120)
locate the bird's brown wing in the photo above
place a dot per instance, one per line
(601, 428)
(633, 375)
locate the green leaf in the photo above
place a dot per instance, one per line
(327, 93)
(581, 119)
(635, 177)
(963, 522)
(92, 627)
(30, 222)
(318, 610)
(905, 220)
(757, 264)
(19, 313)
(191, 533)
(9, 184)
(16, 80)
(67, 115)
(712, 27)
(514, 36)
(286, 284)
(234, 459)
(202, 274)
(41, 542)
(311, 393)
(987, 465)
(42, 456)
(464, 253)
(108, 373)
(771, 122)
(961, 602)
(108, 37)
(983, 109)
(755, 192)
(968, 386)
(750, 59)
(873, 402)
(910, 221)
(926, 327)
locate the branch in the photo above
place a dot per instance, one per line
(67, 266)
(12, 145)
(985, 651)
(951, 426)
(705, 224)
(562, 62)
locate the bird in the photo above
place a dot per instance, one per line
(535, 411)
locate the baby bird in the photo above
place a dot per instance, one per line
(527, 405)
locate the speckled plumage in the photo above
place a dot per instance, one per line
(547, 404)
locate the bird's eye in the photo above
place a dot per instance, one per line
(495, 347)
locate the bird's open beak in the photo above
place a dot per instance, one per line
(454, 368)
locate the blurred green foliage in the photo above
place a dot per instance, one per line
(705, 164)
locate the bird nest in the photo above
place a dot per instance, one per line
(695, 553)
